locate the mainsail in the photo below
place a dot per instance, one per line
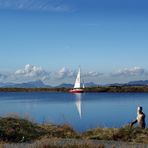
(78, 80)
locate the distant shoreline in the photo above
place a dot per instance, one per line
(113, 89)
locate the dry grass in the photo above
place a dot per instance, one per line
(74, 145)
(22, 130)
(18, 130)
(126, 134)
(59, 131)
(54, 143)
(100, 133)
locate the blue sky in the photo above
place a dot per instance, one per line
(49, 39)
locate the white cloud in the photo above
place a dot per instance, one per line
(64, 73)
(31, 72)
(92, 74)
(67, 73)
(135, 71)
(41, 5)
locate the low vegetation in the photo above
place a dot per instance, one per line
(33, 89)
(56, 143)
(21, 130)
(118, 89)
(125, 134)
(115, 89)
(18, 130)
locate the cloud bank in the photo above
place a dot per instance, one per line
(128, 72)
(31, 72)
(65, 75)
(92, 74)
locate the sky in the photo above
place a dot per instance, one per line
(49, 39)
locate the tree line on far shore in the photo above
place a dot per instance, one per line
(114, 89)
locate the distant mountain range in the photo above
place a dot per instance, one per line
(141, 82)
(33, 84)
(40, 84)
(90, 84)
(132, 83)
(5, 84)
(64, 85)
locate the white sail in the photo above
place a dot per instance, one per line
(78, 80)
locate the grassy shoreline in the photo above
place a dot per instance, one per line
(20, 130)
(113, 89)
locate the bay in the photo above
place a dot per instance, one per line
(81, 111)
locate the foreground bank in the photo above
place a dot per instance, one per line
(19, 130)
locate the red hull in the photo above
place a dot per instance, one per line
(76, 91)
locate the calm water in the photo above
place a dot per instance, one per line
(81, 111)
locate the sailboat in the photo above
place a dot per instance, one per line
(77, 86)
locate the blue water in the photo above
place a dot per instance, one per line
(81, 111)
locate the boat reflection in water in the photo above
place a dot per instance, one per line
(78, 103)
